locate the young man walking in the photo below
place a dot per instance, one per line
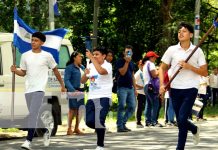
(34, 65)
(184, 88)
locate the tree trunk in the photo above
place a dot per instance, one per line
(166, 16)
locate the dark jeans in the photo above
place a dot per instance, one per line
(183, 101)
(96, 112)
(34, 101)
(214, 95)
(169, 111)
(140, 106)
(204, 101)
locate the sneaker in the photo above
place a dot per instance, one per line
(125, 128)
(121, 130)
(157, 125)
(99, 148)
(46, 138)
(196, 137)
(147, 124)
(139, 125)
(26, 145)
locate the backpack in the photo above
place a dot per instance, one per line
(154, 83)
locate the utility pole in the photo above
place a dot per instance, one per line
(197, 21)
(95, 22)
(51, 15)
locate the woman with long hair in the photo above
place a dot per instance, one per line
(72, 77)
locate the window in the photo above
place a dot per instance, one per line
(64, 57)
(1, 70)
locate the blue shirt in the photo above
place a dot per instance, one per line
(72, 77)
(127, 79)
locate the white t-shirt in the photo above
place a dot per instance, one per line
(36, 66)
(146, 75)
(214, 81)
(185, 78)
(203, 85)
(82, 72)
(139, 79)
(100, 85)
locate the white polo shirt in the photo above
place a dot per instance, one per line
(186, 78)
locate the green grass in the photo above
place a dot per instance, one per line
(9, 130)
(211, 111)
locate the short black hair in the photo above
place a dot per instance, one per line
(39, 35)
(110, 51)
(129, 46)
(187, 26)
(101, 49)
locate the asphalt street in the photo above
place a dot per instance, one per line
(139, 139)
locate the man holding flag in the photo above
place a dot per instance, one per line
(39, 53)
(34, 65)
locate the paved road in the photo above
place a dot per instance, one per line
(139, 139)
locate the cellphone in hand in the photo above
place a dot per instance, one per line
(129, 54)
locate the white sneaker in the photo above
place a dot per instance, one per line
(196, 137)
(99, 148)
(26, 145)
(46, 138)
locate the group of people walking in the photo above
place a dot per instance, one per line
(141, 90)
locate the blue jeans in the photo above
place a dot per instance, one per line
(96, 112)
(183, 101)
(169, 111)
(152, 105)
(126, 96)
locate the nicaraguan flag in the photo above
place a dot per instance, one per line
(23, 34)
(55, 5)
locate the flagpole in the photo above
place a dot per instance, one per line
(13, 77)
(13, 84)
(51, 15)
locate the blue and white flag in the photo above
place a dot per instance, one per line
(23, 34)
(55, 5)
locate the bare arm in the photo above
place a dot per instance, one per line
(20, 72)
(139, 86)
(133, 80)
(154, 73)
(84, 77)
(202, 70)
(58, 76)
(98, 67)
(124, 69)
